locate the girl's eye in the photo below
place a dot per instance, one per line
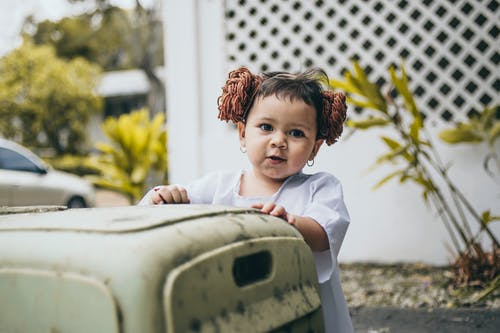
(266, 127)
(296, 133)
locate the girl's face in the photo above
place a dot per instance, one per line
(279, 136)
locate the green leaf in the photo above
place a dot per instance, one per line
(364, 104)
(488, 116)
(344, 85)
(487, 217)
(463, 133)
(368, 94)
(389, 157)
(393, 144)
(425, 196)
(424, 182)
(367, 123)
(415, 130)
(401, 85)
(104, 147)
(397, 149)
(387, 178)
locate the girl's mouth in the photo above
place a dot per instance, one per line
(276, 159)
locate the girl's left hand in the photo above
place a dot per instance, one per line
(313, 233)
(275, 210)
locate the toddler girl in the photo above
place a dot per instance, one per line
(283, 119)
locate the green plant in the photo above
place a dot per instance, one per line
(483, 127)
(138, 147)
(415, 159)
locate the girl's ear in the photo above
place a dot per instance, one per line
(316, 147)
(241, 133)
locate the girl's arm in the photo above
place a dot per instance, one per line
(313, 233)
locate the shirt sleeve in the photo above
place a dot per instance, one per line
(146, 199)
(202, 190)
(327, 207)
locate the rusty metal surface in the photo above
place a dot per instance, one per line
(6, 210)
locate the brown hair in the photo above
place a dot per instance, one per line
(242, 88)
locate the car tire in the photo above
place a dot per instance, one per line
(76, 202)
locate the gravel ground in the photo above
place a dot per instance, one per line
(414, 298)
(407, 286)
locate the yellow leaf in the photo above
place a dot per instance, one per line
(487, 217)
(460, 134)
(387, 178)
(345, 86)
(367, 123)
(393, 144)
(104, 147)
(415, 129)
(401, 85)
(397, 149)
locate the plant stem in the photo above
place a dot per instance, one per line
(424, 171)
(445, 206)
(438, 166)
(446, 222)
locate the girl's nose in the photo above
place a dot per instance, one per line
(278, 140)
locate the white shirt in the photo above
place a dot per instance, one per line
(318, 196)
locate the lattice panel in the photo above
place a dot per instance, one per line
(450, 48)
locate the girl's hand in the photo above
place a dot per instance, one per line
(169, 194)
(313, 233)
(275, 210)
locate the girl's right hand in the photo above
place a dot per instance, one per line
(169, 194)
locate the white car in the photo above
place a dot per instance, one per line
(25, 180)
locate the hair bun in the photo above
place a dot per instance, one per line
(334, 114)
(237, 94)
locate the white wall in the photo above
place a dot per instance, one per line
(388, 225)
(392, 223)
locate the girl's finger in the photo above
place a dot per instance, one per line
(184, 196)
(156, 199)
(257, 205)
(278, 211)
(165, 195)
(268, 207)
(176, 195)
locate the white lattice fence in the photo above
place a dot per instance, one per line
(450, 48)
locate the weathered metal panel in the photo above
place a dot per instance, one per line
(128, 253)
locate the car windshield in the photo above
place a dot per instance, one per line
(11, 160)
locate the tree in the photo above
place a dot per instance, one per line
(112, 37)
(79, 36)
(46, 101)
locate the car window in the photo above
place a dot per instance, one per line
(11, 160)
